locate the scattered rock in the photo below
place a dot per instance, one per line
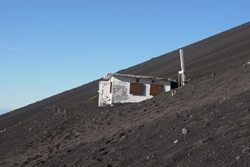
(176, 141)
(238, 157)
(247, 63)
(246, 149)
(184, 131)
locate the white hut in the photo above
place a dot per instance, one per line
(126, 88)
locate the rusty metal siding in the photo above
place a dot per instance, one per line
(156, 89)
(136, 89)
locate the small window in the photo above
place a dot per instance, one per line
(136, 88)
(156, 89)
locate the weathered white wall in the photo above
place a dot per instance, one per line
(104, 93)
(121, 88)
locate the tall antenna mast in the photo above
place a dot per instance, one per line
(182, 72)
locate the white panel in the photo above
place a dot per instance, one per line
(104, 93)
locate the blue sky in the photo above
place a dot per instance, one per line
(49, 46)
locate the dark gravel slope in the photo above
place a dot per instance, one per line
(205, 124)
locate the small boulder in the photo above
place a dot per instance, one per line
(184, 131)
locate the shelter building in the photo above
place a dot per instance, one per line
(126, 88)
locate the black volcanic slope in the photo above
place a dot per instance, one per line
(214, 108)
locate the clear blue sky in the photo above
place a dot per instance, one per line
(50, 46)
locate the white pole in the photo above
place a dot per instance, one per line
(178, 79)
(183, 76)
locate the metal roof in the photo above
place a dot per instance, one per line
(110, 75)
